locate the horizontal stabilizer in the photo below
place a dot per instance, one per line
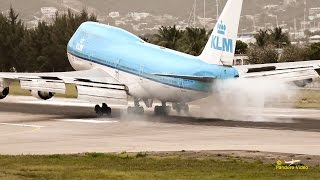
(195, 78)
(286, 72)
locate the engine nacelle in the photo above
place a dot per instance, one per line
(42, 95)
(4, 91)
(303, 83)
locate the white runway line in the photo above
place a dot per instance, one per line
(88, 121)
(65, 103)
(22, 125)
(58, 103)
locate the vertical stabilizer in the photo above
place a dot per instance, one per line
(222, 43)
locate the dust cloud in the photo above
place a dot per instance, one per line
(247, 99)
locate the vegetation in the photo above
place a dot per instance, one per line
(261, 55)
(142, 166)
(294, 53)
(40, 49)
(241, 47)
(274, 37)
(191, 40)
(315, 51)
(43, 49)
(269, 41)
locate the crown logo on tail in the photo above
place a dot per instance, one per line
(222, 28)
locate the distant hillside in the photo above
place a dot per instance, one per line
(180, 9)
(28, 8)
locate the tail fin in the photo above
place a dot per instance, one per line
(222, 43)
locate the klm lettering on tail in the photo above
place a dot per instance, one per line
(220, 42)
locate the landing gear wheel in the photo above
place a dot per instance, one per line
(104, 110)
(98, 111)
(162, 110)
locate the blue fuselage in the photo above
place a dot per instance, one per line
(118, 49)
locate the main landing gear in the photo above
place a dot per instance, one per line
(103, 110)
(137, 109)
(181, 107)
(162, 110)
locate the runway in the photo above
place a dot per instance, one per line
(29, 126)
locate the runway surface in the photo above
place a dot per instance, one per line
(29, 126)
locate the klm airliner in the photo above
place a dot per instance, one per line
(112, 64)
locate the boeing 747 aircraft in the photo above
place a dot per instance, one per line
(112, 64)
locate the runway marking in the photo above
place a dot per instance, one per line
(22, 125)
(64, 103)
(35, 128)
(88, 121)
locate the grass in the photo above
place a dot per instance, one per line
(135, 166)
(302, 99)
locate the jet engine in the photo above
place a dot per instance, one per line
(303, 83)
(42, 95)
(4, 91)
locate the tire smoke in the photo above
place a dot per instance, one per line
(246, 99)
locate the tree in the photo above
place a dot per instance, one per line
(168, 37)
(12, 31)
(263, 37)
(45, 47)
(262, 55)
(241, 47)
(4, 30)
(279, 38)
(315, 51)
(193, 41)
(294, 53)
(145, 38)
(308, 33)
(276, 37)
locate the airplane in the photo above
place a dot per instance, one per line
(292, 162)
(112, 64)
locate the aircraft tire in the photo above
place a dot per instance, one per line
(162, 111)
(98, 110)
(105, 109)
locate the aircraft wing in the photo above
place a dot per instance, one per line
(284, 72)
(93, 85)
